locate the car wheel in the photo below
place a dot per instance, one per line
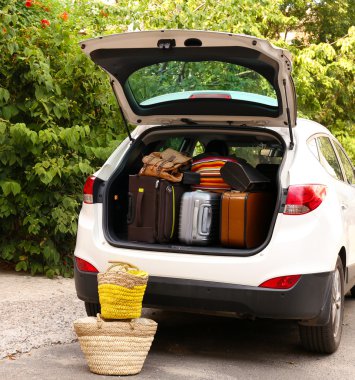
(92, 309)
(325, 339)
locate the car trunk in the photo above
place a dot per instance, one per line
(262, 148)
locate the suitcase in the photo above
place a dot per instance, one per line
(199, 218)
(245, 218)
(244, 177)
(153, 207)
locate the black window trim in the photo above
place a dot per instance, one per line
(335, 142)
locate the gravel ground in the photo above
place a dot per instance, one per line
(36, 312)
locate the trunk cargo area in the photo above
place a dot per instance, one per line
(123, 192)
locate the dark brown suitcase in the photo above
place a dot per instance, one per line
(245, 218)
(153, 209)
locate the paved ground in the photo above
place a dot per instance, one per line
(36, 311)
(186, 346)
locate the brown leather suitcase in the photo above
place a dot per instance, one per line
(153, 209)
(245, 218)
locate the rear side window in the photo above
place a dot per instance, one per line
(256, 154)
(172, 142)
(181, 80)
(328, 158)
(348, 168)
(251, 152)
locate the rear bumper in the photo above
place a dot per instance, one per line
(307, 300)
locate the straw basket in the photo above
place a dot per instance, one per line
(115, 347)
(121, 291)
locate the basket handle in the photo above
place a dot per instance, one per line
(126, 266)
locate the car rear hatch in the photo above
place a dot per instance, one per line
(193, 87)
(171, 77)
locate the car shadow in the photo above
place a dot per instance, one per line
(183, 334)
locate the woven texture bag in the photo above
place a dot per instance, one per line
(115, 347)
(166, 165)
(121, 291)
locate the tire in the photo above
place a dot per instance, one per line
(92, 309)
(325, 339)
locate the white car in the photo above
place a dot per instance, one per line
(182, 89)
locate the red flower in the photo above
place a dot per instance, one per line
(64, 16)
(28, 3)
(45, 23)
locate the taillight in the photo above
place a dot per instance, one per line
(84, 266)
(88, 190)
(283, 282)
(302, 199)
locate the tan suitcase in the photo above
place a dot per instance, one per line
(245, 218)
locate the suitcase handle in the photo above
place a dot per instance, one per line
(139, 207)
(130, 209)
(195, 219)
(205, 219)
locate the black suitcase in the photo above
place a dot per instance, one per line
(153, 209)
(244, 177)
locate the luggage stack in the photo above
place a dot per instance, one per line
(229, 204)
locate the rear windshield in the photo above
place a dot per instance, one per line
(179, 80)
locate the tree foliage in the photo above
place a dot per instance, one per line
(59, 120)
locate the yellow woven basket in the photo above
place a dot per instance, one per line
(121, 291)
(115, 347)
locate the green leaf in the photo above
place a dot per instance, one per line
(50, 273)
(4, 94)
(9, 111)
(39, 93)
(9, 187)
(36, 268)
(22, 265)
(57, 112)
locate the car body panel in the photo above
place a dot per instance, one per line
(285, 253)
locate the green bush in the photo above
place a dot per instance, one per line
(58, 122)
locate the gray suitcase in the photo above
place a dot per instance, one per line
(199, 218)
